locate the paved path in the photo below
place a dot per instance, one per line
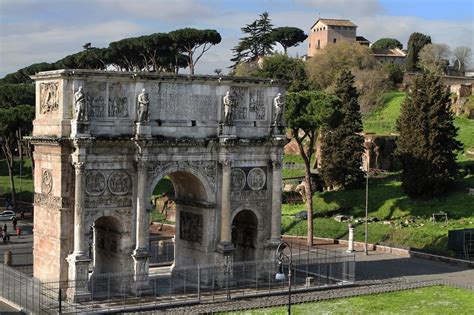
(376, 272)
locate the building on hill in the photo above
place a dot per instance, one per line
(327, 31)
(386, 55)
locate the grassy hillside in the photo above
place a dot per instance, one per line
(25, 184)
(382, 121)
(407, 221)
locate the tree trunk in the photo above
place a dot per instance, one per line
(9, 159)
(309, 194)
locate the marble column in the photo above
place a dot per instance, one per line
(140, 254)
(79, 259)
(276, 202)
(226, 233)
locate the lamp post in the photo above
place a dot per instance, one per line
(284, 258)
(366, 251)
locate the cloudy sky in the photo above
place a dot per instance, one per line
(46, 30)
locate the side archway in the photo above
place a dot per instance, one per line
(245, 235)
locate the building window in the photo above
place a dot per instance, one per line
(334, 40)
(319, 45)
(309, 45)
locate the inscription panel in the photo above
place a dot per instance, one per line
(190, 227)
(180, 101)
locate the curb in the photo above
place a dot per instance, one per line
(394, 250)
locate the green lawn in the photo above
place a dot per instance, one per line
(23, 184)
(431, 300)
(388, 202)
(382, 121)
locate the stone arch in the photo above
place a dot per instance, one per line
(108, 256)
(245, 235)
(195, 210)
(258, 214)
(177, 168)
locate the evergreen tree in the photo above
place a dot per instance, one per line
(415, 43)
(427, 142)
(342, 145)
(257, 43)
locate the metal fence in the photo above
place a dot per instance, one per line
(161, 251)
(26, 292)
(311, 269)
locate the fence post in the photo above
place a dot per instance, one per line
(60, 301)
(7, 258)
(199, 282)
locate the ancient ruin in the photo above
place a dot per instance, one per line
(103, 140)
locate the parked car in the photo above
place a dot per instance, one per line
(301, 215)
(7, 215)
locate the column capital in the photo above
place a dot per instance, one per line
(276, 164)
(141, 164)
(226, 162)
(79, 167)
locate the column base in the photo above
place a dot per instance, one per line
(78, 278)
(277, 129)
(227, 130)
(225, 248)
(141, 284)
(270, 248)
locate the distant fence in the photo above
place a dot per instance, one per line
(161, 251)
(311, 269)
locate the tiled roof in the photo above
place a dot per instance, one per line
(335, 22)
(362, 39)
(384, 52)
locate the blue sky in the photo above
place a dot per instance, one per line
(47, 30)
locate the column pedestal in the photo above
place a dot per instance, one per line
(142, 130)
(79, 273)
(141, 284)
(80, 129)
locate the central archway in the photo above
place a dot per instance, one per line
(193, 230)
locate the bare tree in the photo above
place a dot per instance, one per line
(433, 57)
(462, 55)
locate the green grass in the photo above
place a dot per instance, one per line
(382, 121)
(25, 184)
(466, 136)
(387, 201)
(431, 300)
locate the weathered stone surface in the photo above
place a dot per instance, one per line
(225, 180)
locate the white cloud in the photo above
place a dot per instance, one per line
(342, 8)
(168, 10)
(39, 42)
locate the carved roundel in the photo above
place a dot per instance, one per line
(256, 178)
(237, 181)
(119, 183)
(46, 182)
(95, 183)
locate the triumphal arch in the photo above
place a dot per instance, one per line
(102, 142)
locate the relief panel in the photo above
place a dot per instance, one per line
(49, 97)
